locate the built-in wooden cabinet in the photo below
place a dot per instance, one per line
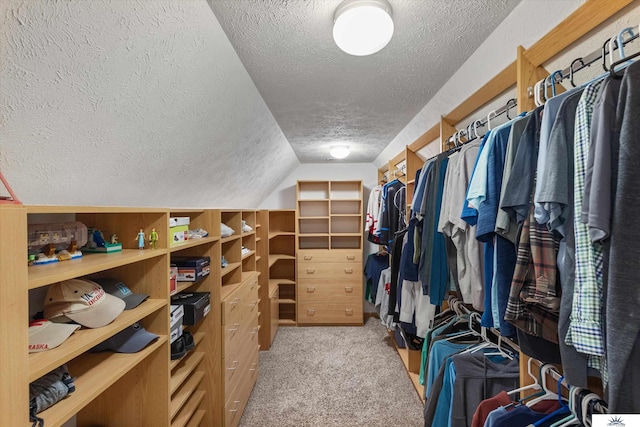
(282, 258)
(269, 306)
(329, 252)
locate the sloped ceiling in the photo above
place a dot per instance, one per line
(319, 95)
(135, 103)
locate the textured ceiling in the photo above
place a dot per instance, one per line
(320, 95)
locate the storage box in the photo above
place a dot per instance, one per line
(176, 221)
(175, 321)
(178, 234)
(196, 306)
(173, 279)
(191, 269)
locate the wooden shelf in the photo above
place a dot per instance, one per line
(314, 234)
(230, 238)
(228, 289)
(349, 215)
(193, 243)
(185, 392)
(313, 217)
(248, 254)
(247, 275)
(229, 268)
(286, 322)
(258, 239)
(188, 411)
(415, 378)
(287, 301)
(93, 374)
(345, 200)
(85, 339)
(250, 233)
(183, 286)
(258, 258)
(43, 275)
(312, 200)
(185, 369)
(196, 419)
(346, 234)
(274, 258)
(197, 337)
(273, 234)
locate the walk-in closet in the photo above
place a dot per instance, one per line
(319, 213)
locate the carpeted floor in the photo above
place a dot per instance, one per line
(332, 376)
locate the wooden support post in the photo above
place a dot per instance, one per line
(446, 130)
(528, 76)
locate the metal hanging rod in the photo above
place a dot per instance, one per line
(473, 126)
(584, 62)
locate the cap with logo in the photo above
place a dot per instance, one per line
(45, 335)
(118, 289)
(82, 301)
(129, 340)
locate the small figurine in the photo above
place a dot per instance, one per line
(114, 239)
(153, 238)
(140, 238)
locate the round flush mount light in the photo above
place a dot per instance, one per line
(339, 151)
(362, 27)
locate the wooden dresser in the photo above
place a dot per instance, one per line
(329, 253)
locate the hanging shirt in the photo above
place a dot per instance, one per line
(390, 212)
(585, 329)
(469, 214)
(372, 223)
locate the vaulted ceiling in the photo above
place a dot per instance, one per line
(320, 95)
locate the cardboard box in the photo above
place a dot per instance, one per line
(178, 234)
(173, 279)
(176, 221)
(196, 306)
(184, 261)
(175, 322)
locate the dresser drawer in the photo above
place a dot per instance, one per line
(323, 312)
(237, 359)
(334, 255)
(238, 397)
(234, 303)
(343, 270)
(236, 331)
(335, 290)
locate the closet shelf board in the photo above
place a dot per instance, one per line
(302, 218)
(230, 238)
(248, 275)
(53, 209)
(192, 243)
(229, 268)
(84, 339)
(286, 322)
(248, 254)
(196, 419)
(287, 301)
(274, 258)
(188, 410)
(184, 370)
(186, 391)
(197, 337)
(250, 233)
(281, 233)
(93, 374)
(42, 275)
(227, 290)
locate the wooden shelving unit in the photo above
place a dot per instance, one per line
(282, 275)
(266, 332)
(329, 252)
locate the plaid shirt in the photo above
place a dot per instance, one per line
(534, 297)
(586, 327)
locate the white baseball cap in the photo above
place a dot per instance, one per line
(45, 335)
(83, 301)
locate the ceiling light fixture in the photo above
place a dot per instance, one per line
(362, 27)
(339, 151)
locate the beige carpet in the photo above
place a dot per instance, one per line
(332, 376)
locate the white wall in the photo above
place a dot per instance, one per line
(137, 102)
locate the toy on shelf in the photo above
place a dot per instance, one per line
(153, 238)
(49, 243)
(140, 238)
(98, 244)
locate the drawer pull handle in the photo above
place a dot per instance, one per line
(253, 304)
(253, 285)
(255, 330)
(348, 270)
(235, 366)
(237, 403)
(234, 303)
(311, 311)
(311, 289)
(254, 366)
(237, 326)
(348, 289)
(311, 270)
(348, 311)
(351, 257)
(308, 257)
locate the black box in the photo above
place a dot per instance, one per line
(184, 261)
(196, 305)
(191, 269)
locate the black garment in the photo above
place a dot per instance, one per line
(393, 211)
(396, 252)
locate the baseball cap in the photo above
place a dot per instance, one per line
(118, 289)
(129, 340)
(83, 301)
(45, 335)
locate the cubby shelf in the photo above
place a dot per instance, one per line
(193, 243)
(93, 374)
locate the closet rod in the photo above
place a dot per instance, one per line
(512, 103)
(586, 61)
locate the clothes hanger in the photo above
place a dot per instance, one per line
(584, 405)
(493, 112)
(571, 419)
(536, 93)
(553, 81)
(535, 385)
(572, 71)
(620, 38)
(545, 370)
